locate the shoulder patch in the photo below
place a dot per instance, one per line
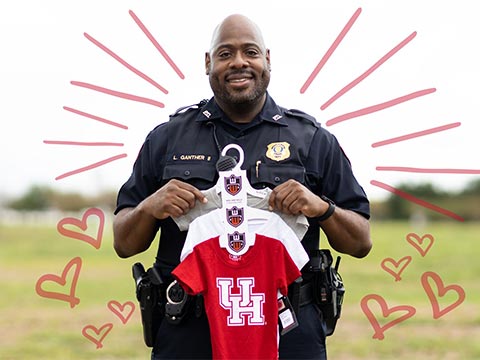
(302, 115)
(184, 109)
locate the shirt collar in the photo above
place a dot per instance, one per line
(270, 112)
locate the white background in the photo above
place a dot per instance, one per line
(44, 48)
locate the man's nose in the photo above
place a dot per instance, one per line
(239, 60)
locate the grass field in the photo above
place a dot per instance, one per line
(35, 327)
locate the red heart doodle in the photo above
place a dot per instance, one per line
(83, 226)
(120, 309)
(396, 268)
(441, 291)
(76, 264)
(386, 312)
(418, 242)
(98, 334)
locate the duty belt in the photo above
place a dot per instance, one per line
(306, 294)
(300, 294)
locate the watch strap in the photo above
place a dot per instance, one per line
(330, 210)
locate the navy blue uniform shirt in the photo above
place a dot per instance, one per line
(279, 144)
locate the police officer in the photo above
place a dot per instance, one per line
(286, 150)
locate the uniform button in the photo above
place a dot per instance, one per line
(187, 173)
(277, 179)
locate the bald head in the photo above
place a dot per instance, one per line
(238, 67)
(236, 23)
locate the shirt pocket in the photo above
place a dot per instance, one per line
(200, 175)
(272, 175)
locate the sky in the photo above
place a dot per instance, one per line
(414, 62)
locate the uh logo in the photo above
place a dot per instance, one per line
(243, 304)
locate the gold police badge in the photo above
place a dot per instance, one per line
(278, 151)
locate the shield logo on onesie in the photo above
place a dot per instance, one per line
(235, 216)
(233, 184)
(236, 241)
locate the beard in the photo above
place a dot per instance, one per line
(240, 98)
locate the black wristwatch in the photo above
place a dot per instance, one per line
(330, 210)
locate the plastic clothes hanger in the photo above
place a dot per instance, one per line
(228, 163)
(234, 187)
(257, 215)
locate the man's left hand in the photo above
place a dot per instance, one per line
(291, 197)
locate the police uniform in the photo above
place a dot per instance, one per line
(279, 144)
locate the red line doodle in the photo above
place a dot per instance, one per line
(441, 291)
(91, 166)
(118, 94)
(80, 143)
(418, 242)
(76, 264)
(428, 171)
(98, 335)
(398, 266)
(124, 63)
(416, 200)
(157, 45)
(415, 134)
(386, 312)
(83, 226)
(122, 311)
(93, 117)
(378, 107)
(330, 51)
(369, 71)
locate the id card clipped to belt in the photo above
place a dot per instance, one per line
(287, 320)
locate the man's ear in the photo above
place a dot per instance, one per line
(207, 63)
(267, 57)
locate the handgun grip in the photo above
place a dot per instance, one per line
(138, 271)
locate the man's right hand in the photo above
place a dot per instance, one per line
(173, 199)
(135, 228)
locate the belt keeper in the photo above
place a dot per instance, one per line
(295, 297)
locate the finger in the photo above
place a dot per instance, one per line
(294, 205)
(172, 205)
(188, 192)
(294, 202)
(197, 194)
(184, 199)
(294, 198)
(200, 196)
(271, 201)
(281, 200)
(174, 210)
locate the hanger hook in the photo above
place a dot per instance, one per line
(240, 153)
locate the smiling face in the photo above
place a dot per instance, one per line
(238, 64)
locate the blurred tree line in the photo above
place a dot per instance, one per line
(465, 203)
(43, 198)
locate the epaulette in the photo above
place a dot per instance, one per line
(303, 115)
(188, 107)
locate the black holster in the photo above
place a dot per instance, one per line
(150, 292)
(328, 288)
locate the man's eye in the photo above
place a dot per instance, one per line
(252, 52)
(224, 54)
